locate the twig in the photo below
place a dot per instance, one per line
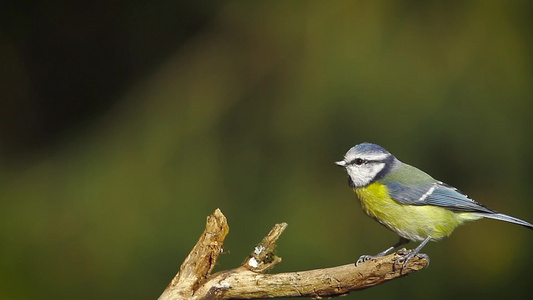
(248, 281)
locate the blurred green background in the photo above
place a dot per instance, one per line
(124, 124)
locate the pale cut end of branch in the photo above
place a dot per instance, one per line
(264, 258)
(201, 260)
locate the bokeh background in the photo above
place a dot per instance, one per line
(125, 123)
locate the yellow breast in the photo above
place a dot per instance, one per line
(410, 221)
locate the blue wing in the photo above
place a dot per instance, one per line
(434, 193)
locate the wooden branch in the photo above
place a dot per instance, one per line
(200, 261)
(195, 281)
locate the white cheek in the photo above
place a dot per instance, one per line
(363, 175)
(376, 168)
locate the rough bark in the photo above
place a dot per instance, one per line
(248, 281)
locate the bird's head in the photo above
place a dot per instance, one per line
(366, 163)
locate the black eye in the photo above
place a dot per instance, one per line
(359, 161)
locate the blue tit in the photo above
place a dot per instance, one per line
(408, 201)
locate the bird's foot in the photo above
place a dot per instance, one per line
(364, 258)
(403, 252)
(407, 255)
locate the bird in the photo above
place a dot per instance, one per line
(408, 201)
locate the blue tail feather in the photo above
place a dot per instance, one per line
(506, 218)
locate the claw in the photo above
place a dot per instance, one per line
(423, 256)
(364, 258)
(403, 252)
(406, 258)
(412, 253)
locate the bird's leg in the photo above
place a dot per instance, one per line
(402, 241)
(415, 252)
(364, 258)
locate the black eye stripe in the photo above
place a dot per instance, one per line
(360, 161)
